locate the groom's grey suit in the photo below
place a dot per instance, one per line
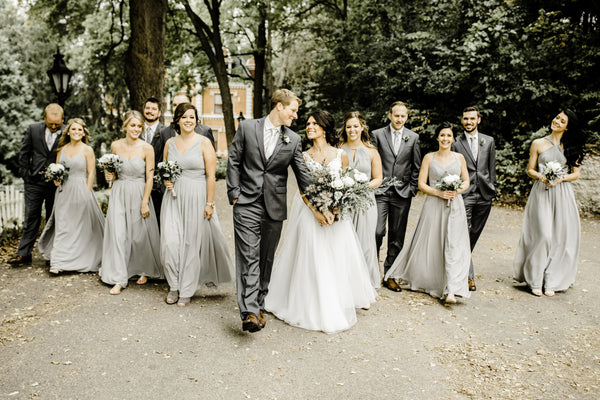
(260, 187)
(395, 202)
(482, 189)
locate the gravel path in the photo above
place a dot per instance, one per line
(66, 337)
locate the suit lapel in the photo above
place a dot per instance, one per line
(388, 138)
(260, 138)
(465, 143)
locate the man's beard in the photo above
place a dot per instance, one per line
(150, 120)
(471, 130)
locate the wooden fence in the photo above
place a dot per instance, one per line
(12, 205)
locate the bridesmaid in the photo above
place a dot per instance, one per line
(363, 156)
(192, 247)
(438, 256)
(72, 238)
(549, 245)
(131, 238)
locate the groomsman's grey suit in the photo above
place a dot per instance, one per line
(34, 157)
(257, 184)
(393, 206)
(482, 175)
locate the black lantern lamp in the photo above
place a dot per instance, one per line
(60, 76)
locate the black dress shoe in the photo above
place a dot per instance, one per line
(47, 263)
(262, 321)
(20, 260)
(392, 285)
(472, 286)
(251, 323)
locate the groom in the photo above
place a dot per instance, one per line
(257, 172)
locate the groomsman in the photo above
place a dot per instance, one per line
(480, 154)
(38, 150)
(152, 130)
(259, 158)
(400, 154)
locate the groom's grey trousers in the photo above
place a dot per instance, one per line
(256, 239)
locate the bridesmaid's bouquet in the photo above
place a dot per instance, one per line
(56, 172)
(450, 182)
(167, 171)
(553, 170)
(357, 195)
(110, 163)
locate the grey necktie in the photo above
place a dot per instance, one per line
(474, 149)
(50, 138)
(271, 141)
(396, 141)
(148, 134)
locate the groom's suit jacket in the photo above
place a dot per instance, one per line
(251, 175)
(403, 166)
(35, 155)
(482, 173)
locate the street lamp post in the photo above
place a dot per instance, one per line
(60, 77)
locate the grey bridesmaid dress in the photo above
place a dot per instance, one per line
(365, 223)
(131, 242)
(438, 256)
(549, 245)
(193, 249)
(72, 238)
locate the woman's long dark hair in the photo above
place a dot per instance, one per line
(179, 111)
(573, 140)
(326, 121)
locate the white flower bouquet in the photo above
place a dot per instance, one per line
(56, 172)
(450, 182)
(339, 192)
(167, 171)
(110, 163)
(553, 170)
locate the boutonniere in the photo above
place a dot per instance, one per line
(405, 138)
(285, 137)
(157, 134)
(481, 142)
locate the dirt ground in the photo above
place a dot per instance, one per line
(66, 337)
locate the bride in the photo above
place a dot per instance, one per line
(319, 276)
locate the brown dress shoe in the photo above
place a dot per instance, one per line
(262, 321)
(251, 323)
(472, 286)
(20, 260)
(392, 285)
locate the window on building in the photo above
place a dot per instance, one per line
(218, 104)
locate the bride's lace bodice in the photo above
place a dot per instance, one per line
(335, 164)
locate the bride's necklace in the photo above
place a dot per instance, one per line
(317, 155)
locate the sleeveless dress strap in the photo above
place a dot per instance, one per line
(550, 140)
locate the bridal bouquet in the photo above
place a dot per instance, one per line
(341, 192)
(552, 170)
(56, 172)
(167, 171)
(450, 182)
(110, 163)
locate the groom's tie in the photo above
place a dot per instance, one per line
(474, 149)
(271, 136)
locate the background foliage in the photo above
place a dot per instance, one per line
(519, 61)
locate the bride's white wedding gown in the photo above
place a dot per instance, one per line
(319, 275)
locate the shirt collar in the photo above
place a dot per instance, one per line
(401, 130)
(472, 135)
(269, 125)
(48, 132)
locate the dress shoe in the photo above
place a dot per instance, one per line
(251, 323)
(472, 286)
(262, 320)
(20, 260)
(47, 263)
(392, 285)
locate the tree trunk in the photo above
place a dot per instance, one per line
(145, 67)
(259, 62)
(212, 45)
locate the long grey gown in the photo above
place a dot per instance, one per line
(72, 238)
(550, 236)
(193, 249)
(438, 256)
(131, 242)
(365, 223)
